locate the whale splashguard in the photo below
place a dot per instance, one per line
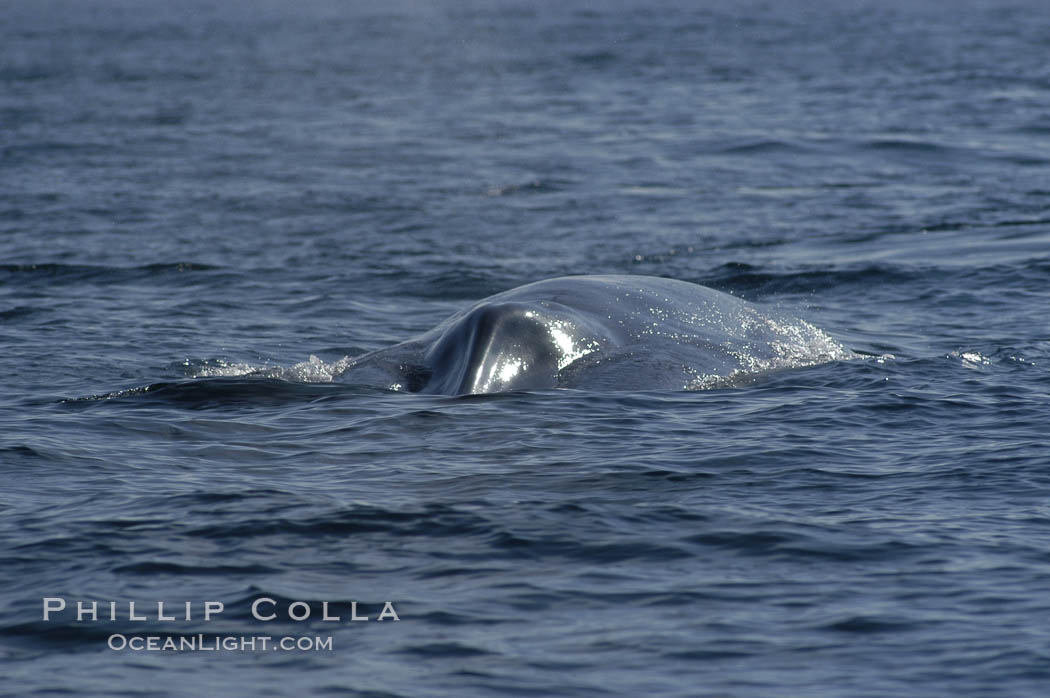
(597, 333)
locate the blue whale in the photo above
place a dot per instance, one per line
(597, 333)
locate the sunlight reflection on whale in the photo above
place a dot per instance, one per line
(591, 332)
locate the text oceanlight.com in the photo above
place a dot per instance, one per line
(214, 643)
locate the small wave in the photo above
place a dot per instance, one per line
(461, 284)
(655, 191)
(23, 451)
(866, 625)
(534, 186)
(898, 145)
(214, 393)
(154, 567)
(1018, 223)
(53, 273)
(18, 312)
(596, 59)
(434, 520)
(760, 146)
(445, 650)
(751, 280)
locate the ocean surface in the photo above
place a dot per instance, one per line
(205, 206)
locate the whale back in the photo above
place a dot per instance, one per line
(495, 347)
(598, 332)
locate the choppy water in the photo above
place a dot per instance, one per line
(190, 193)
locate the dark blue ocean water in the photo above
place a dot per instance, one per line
(192, 191)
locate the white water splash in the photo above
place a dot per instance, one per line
(315, 370)
(219, 368)
(971, 359)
